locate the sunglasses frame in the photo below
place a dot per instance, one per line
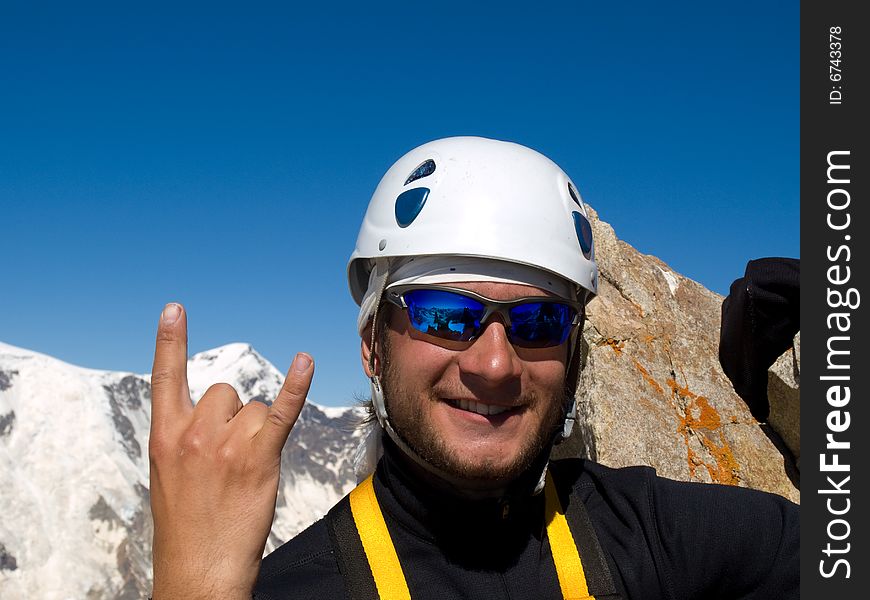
(396, 295)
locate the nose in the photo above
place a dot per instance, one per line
(491, 359)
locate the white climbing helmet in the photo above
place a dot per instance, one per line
(471, 196)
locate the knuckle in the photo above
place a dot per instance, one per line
(255, 406)
(228, 454)
(297, 387)
(222, 389)
(194, 441)
(158, 449)
(279, 417)
(166, 335)
(163, 377)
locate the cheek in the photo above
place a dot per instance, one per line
(414, 360)
(546, 371)
(546, 367)
(427, 362)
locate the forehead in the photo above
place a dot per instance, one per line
(501, 291)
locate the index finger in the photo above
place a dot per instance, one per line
(286, 407)
(170, 396)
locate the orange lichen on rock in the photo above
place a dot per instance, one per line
(679, 390)
(703, 420)
(617, 345)
(640, 312)
(648, 378)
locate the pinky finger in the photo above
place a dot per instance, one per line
(285, 410)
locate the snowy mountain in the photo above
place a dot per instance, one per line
(74, 469)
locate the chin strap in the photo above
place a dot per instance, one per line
(377, 390)
(572, 378)
(568, 425)
(378, 402)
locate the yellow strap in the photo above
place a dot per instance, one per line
(569, 569)
(387, 570)
(376, 541)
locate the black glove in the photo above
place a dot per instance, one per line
(760, 318)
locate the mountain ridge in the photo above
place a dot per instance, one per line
(74, 483)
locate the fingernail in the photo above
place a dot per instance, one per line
(301, 362)
(171, 312)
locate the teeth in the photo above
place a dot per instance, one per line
(480, 408)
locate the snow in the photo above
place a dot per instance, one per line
(60, 455)
(71, 492)
(673, 284)
(333, 412)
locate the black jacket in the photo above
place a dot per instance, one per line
(662, 539)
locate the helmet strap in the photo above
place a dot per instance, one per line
(378, 402)
(377, 390)
(572, 379)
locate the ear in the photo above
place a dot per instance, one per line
(365, 350)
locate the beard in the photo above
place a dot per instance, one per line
(405, 408)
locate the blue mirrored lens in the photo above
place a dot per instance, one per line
(540, 324)
(444, 314)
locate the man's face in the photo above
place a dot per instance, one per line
(438, 393)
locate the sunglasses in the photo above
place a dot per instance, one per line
(460, 315)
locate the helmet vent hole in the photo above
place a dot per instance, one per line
(409, 204)
(574, 195)
(382, 244)
(426, 168)
(584, 234)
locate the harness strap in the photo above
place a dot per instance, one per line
(371, 569)
(597, 572)
(569, 567)
(349, 552)
(368, 562)
(377, 543)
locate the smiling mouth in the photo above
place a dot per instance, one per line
(480, 408)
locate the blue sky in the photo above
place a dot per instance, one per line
(223, 156)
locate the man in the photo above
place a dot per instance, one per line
(472, 270)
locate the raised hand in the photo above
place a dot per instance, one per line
(214, 472)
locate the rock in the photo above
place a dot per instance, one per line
(652, 391)
(784, 394)
(7, 561)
